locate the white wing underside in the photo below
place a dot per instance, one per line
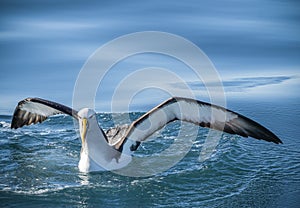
(193, 111)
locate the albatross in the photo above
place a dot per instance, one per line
(112, 150)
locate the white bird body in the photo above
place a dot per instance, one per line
(96, 153)
(113, 150)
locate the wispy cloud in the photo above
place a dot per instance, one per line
(239, 84)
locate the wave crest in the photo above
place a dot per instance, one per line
(4, 124)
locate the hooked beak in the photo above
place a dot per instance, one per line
(83, 130)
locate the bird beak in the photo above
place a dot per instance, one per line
(83, 131)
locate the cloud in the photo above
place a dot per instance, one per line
(239, 84)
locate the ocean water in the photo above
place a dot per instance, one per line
(39, 166)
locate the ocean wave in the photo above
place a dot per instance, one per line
(4, 124)
(40, 190)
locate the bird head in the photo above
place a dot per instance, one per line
(85, 116)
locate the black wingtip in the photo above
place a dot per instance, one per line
(274, 139)
(278, 141)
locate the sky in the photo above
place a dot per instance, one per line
(254, 46)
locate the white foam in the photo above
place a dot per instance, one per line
(42, 190)
(4, 124)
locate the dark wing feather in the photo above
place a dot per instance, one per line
(197, 112)
(116, 133)
(36, 110)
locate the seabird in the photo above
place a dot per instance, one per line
(112, 149)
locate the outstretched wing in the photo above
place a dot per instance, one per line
(34, 110)
(197, 112)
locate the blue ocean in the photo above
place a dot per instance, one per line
(39, 166)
